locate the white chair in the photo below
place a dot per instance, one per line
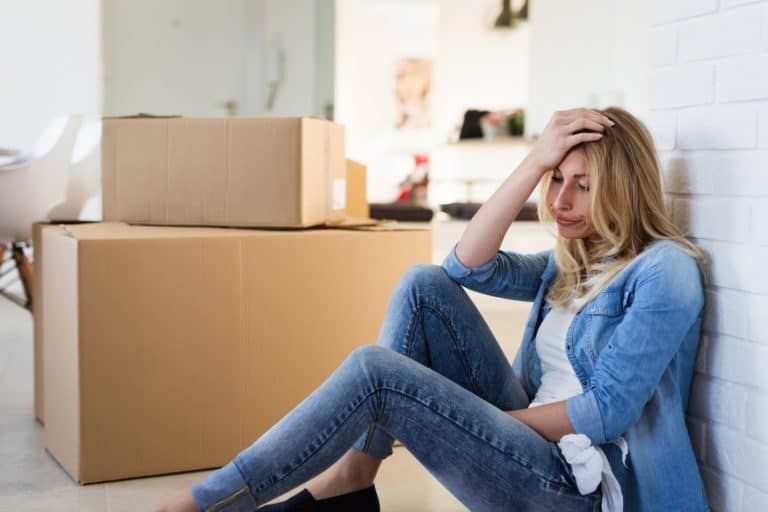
(83, 195)
(30, 188)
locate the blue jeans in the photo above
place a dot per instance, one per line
(438, 382)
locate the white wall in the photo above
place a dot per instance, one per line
(709, 115)
(477, 67)
(51, 65)
(591, 53)
(191, 56)
(305, 28)
(473, 67)
(174, 56)
(324, 55)
(292, 22)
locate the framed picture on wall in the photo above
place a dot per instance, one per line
(413, 88)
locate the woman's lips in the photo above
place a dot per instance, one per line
(566, 222)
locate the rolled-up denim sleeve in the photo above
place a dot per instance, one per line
(509, 274)
(668, 303)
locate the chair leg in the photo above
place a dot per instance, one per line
(26, 271)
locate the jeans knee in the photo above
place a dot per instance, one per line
(368, 358)
(424, 277)
(367, 353)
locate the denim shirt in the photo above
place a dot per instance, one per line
(632, 348)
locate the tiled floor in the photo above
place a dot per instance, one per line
(30, 480)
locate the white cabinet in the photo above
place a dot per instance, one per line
(471, 170)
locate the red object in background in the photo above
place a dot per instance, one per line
(414, 188)
(404, 195)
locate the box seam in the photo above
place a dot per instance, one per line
(78, 370)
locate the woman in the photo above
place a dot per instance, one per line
(606, 358)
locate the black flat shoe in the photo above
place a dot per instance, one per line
(364, 500)
(302, 502)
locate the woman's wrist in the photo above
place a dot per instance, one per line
(530, 164)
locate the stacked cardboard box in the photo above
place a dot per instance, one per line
(166, 349)
(248, 172)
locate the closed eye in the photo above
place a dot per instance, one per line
(560, 179)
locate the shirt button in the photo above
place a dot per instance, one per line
(568, 347)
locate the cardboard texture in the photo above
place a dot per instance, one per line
(356, 215)
(236, 172)
(356, 202)
(171, 349)
(37, 315)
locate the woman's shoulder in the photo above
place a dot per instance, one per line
(665, 253)
(668, 268)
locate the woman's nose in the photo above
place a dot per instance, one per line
(562, 201)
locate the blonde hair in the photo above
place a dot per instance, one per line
(627, 210)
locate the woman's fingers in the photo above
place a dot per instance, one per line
(584, 124)
(569, 116)
(560, 135)
(578, 138)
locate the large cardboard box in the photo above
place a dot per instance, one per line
(355, 214)
(239, 171)
(172, 349)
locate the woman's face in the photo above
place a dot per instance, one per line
(568, 196)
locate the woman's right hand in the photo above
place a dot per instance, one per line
(559, 136)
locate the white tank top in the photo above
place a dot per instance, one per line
(558, 380)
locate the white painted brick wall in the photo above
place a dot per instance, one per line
(762, 126)
(733, 32)
(664, 11)
(743, 78)
(754, 499)
(663, 45)
(677, 86)
(663, 126)
(709, 118)
(718, 127)
(731, 3)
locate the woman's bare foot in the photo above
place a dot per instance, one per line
(184, 502)
(352, 472)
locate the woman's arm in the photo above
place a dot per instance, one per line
(482, 238)
(549, 420)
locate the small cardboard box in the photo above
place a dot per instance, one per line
(234, 172)
(171, 349)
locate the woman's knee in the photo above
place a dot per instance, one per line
(425, 278)
(422, 287)
(369, 358)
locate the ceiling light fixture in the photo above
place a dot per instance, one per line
(508, 18)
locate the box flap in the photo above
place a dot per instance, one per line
(123, 231)
(143, 115)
